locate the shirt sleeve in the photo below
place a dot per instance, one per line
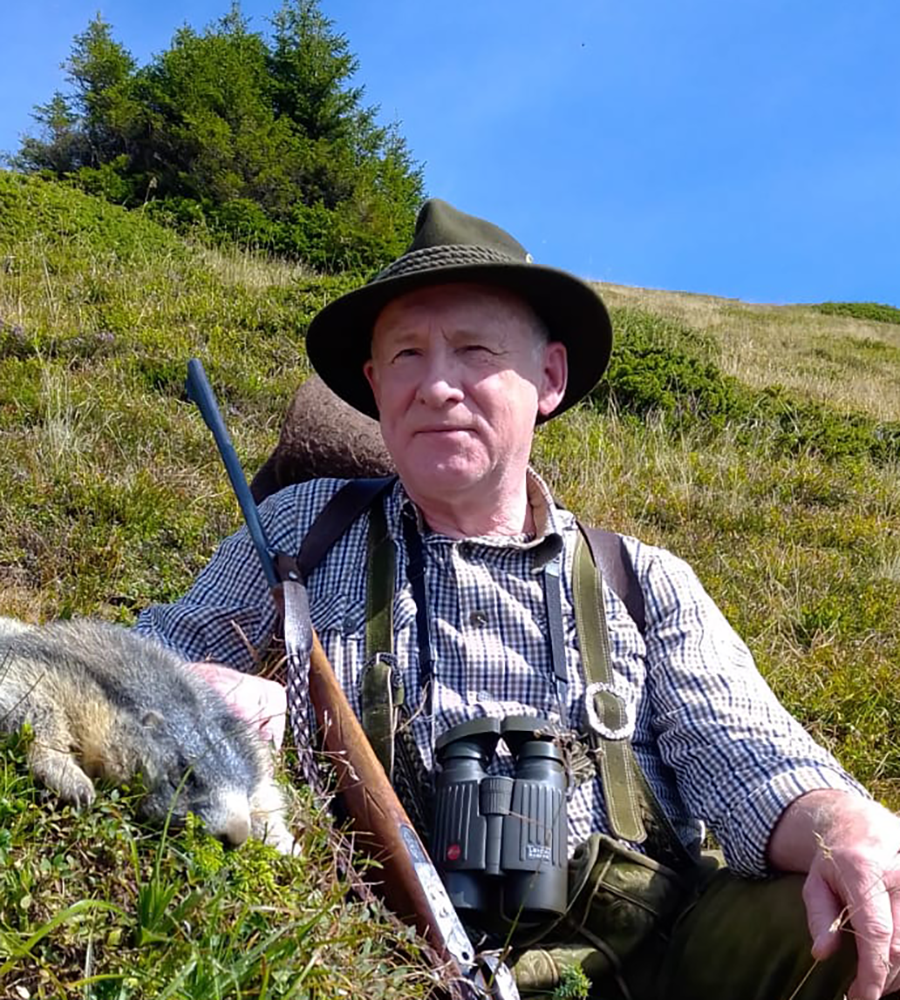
(739, 757)
(228, 616)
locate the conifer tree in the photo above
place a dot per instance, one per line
(266, 140)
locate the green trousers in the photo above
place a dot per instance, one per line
(738, 940)
(743, 940)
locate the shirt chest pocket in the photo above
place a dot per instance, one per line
(345, 613)
(337, 613)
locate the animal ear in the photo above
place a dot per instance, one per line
(152, 720)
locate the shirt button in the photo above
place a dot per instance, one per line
(478, 618)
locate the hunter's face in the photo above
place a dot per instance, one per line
(459, 374)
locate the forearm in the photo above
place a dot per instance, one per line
(226, 615)
(849, 847)
(822, 820)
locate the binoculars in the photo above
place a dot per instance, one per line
(500, 842)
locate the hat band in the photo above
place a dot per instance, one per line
(448, 255)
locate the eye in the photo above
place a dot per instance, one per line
(181, 777)
(406, 352)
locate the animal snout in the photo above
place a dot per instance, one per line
(233, 823)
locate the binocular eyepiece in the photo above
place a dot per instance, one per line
(500, 842)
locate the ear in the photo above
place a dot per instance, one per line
(371, 378)
(554, 377)
(152, 720)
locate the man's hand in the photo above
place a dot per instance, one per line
(850, 847)
(261, 702)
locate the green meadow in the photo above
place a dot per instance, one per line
(762, 443)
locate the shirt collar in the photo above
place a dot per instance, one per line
(546, 543)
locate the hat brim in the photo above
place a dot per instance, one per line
(338, 341)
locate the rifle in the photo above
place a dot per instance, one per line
(411, 887)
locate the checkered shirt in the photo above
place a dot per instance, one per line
(712, 739)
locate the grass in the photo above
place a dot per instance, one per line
(95, 905)
(761, 442)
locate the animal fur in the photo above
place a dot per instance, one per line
(322, 436)
(104, 702)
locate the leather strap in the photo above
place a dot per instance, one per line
(336, 516)
(612, 559)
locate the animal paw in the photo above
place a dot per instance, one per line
(276, 834)
(62, 775)
(78, 790)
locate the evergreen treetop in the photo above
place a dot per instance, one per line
(264, 139)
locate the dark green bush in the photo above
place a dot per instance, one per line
(265, 134)
(862, 310)
(662, 367)
(667, 370)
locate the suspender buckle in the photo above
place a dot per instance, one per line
(607, 712)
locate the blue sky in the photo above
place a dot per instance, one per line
(744, 149)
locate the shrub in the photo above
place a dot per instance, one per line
(861, 310)
(245, 126)
(664, 369)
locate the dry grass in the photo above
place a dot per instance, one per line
(850, 364)
(252, 270)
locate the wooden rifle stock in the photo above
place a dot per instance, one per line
(411, 886)
(378, 817)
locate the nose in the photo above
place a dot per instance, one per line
(236, 826)
(439, 383)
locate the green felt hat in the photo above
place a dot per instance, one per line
(450, 246)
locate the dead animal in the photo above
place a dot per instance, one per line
(322, 436)
(104, 702)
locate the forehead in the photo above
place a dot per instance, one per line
(454, 306)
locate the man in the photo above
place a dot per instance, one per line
(460, 348)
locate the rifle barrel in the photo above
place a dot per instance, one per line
(200, 391)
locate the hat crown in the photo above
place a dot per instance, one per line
(440, 224)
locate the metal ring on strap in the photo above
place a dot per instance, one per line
(602, 705)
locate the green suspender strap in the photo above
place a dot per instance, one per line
(382, 697)
(632, 808)
(605, 709)
(380, 685)
(380, 694)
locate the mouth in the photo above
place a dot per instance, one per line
(444, 430)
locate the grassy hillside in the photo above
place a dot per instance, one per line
(760, 442)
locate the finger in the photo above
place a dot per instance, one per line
(271, 712)
(824, 914)
(872, 922)
(893, 980)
